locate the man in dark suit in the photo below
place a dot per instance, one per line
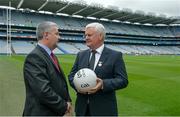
(110, 70)
(46, 88)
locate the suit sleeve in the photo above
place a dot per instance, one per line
(119, 78)
(73, 72)
(36, 77)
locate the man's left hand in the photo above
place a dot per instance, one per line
(99, 85)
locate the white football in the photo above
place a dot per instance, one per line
(85, 79)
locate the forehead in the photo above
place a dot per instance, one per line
(54, 28)
(90, 30)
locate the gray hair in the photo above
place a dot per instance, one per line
(44, 27)
(99, 27)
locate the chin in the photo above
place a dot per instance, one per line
(54, 47)
(88, 44)
(56, 44)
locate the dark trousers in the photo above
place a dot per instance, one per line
(87, 111)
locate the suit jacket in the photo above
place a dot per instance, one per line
(114, 76)
(46, 87)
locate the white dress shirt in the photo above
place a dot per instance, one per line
(97, 55)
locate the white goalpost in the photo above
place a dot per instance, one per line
(8, 23)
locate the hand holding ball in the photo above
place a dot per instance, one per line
(85, 79)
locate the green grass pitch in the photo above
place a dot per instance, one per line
(153, 90)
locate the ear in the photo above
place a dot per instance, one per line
(101, 36)
(45, 35)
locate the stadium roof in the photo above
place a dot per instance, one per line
(82, 9)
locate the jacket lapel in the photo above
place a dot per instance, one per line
(49, 58)
(102, 60)
(86, 58)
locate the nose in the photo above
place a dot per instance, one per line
(87, 37)
(84, 37)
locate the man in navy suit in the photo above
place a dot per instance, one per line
(46, 88)
(110, 70)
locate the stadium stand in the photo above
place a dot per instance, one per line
(22, 47)
(3, 47)
(128, 38)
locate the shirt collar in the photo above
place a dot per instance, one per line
(100, 49)
(45, 48)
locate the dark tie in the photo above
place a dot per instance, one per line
(55, 61)
(92, 61)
